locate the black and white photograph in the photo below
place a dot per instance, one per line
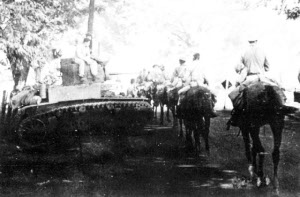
(130, 98)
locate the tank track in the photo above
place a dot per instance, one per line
(51, 124)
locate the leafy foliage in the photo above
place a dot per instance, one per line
(293, 13)
(27, 27)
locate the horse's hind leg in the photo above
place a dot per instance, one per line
(257, 149)
(179, 116)
(188, 135)
(205, 132)
(161, 114)
(168, 113)
(154, 111)
(246, 138)
(277, 127)
(172, 108)
(198, 127)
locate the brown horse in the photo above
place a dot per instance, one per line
(194, 108)
(261, 105)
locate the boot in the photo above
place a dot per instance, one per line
(181, 96)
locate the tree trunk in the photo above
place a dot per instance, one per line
(91, 19)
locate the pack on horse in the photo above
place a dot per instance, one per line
(195, 110)
(261, 104)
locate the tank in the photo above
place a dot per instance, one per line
(73, 109)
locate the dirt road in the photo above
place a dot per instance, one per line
(153, 163)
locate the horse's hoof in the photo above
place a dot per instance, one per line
(258, 182)
(251, 171)
(267, 180)
(261, 182)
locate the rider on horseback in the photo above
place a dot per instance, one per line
(186, 77)
(158, 76)
(252, 68)
(142, 80)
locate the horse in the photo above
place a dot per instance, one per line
(261, 105)
(195, 107)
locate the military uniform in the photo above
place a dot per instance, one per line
(195, 77)
(181, 76)
(252, 68)
(157, 75)
(142, 80)
(83, 56)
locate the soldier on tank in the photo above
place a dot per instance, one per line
(82, 57)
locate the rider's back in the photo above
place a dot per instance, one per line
(254, 59)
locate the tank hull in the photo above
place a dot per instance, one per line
(63, 122)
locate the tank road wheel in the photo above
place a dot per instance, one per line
(32, 133)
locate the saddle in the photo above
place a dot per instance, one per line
(197, 99)
(257, 101)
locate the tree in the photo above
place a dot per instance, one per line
(28, 26)
(91, 19)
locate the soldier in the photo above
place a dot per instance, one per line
(157, 74)
(142, 76)
(165, 75)
(252, 68)
(198, 78)
(83, 56)
(181, 76)
(142, 80)
(132, 90)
